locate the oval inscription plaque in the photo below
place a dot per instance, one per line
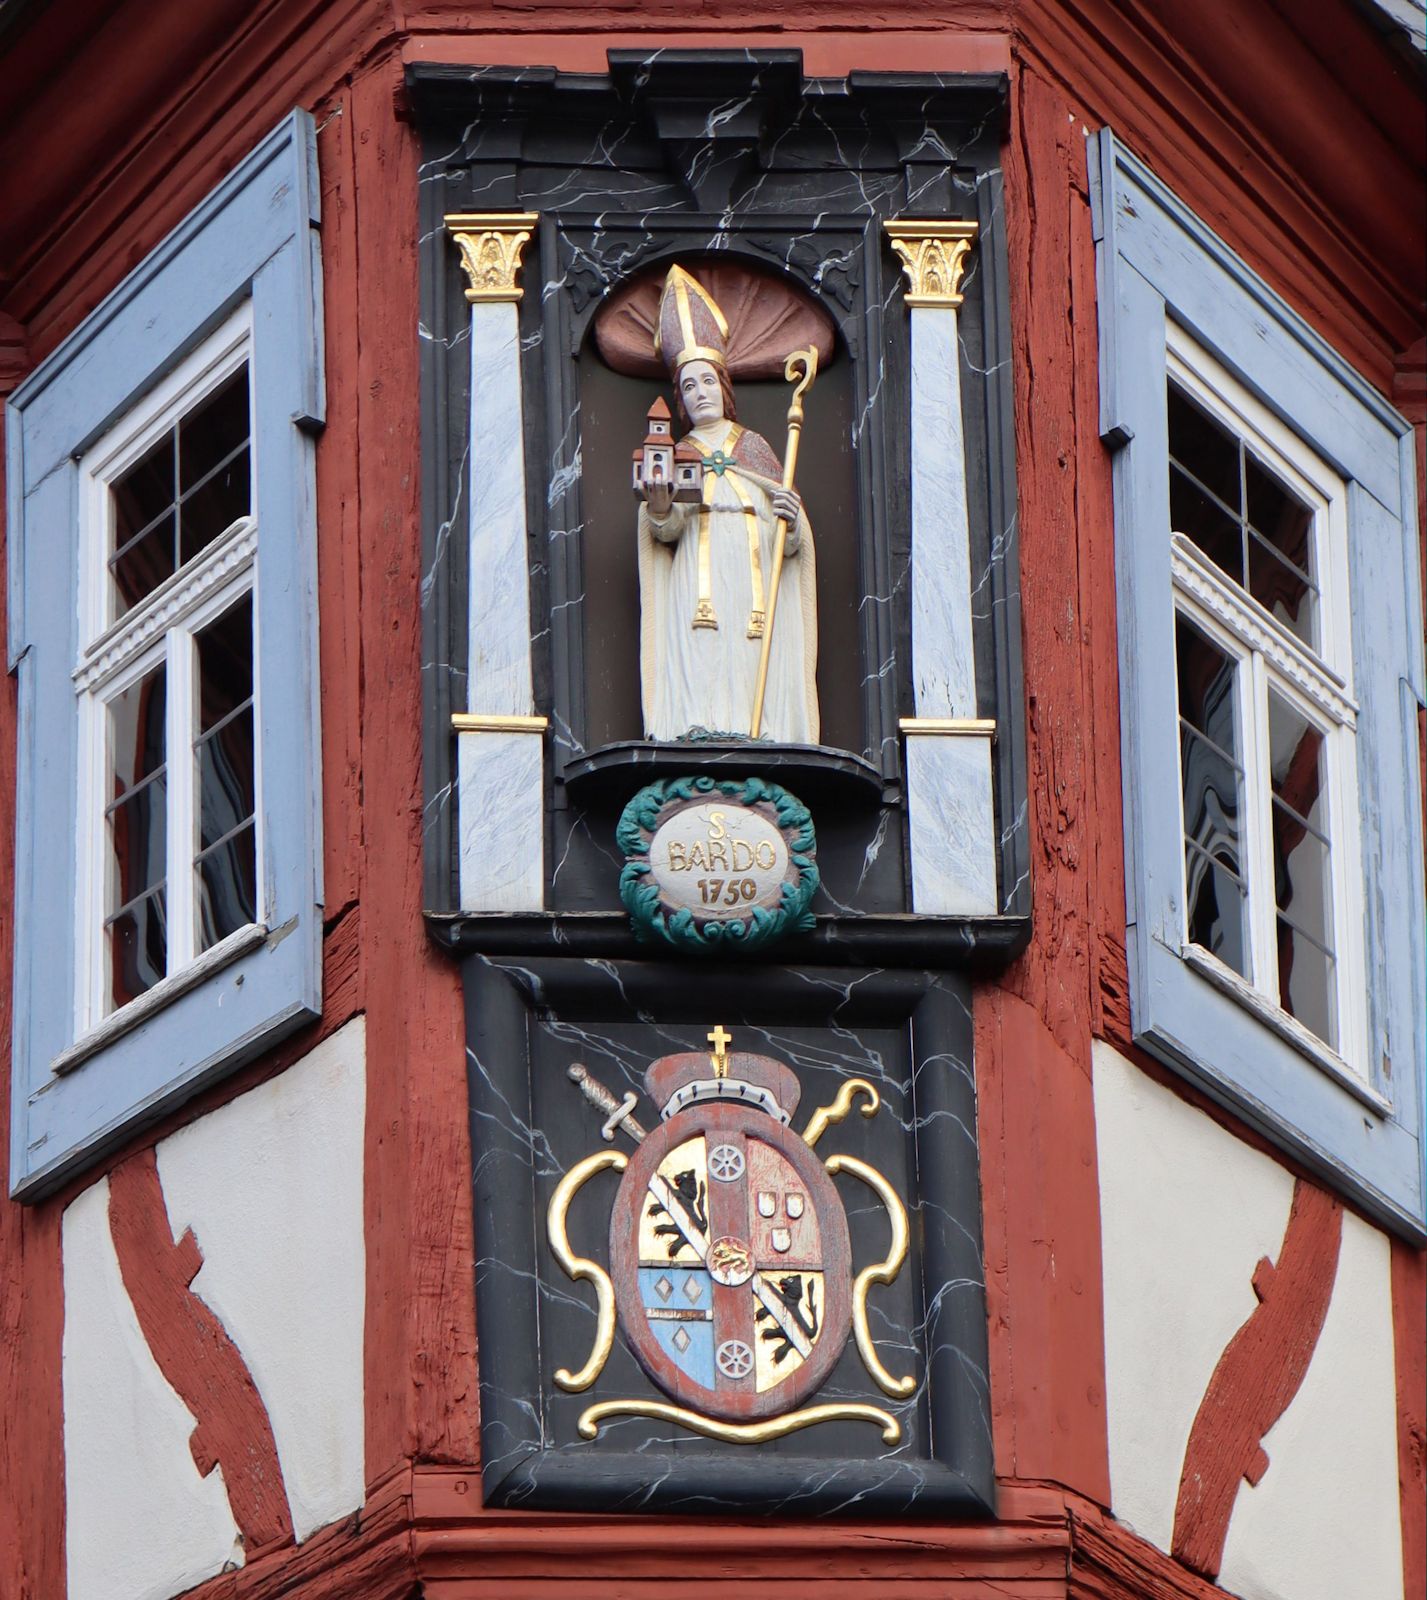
(717, 864)
(719, 857)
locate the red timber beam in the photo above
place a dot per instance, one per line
(1047, 1545)
(1257, 1376)
(195, 1354)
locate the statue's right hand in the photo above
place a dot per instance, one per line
(659, 497)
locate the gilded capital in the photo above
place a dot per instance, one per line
(491, 243)
(933, 255)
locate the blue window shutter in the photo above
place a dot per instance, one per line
(1156, 260)
(252, 239)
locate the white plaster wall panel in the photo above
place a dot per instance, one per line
(140, 1523)
(501, 775)
(1324, 1522)
(1186, 1212)
(271, 1185)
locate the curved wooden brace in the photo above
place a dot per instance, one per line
(582, 1267)
(883, 1272)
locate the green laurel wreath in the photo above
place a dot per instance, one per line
(734, 935)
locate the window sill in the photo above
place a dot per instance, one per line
(115, 1026)
(1286, 1027)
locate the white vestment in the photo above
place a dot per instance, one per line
(705, 677)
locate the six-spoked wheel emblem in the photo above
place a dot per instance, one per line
(726, 1163)
(735, 1359)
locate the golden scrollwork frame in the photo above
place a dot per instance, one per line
(884, 1271)
(741, 1432)
(582, 1267)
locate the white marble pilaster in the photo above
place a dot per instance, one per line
(498, 572)
(943, 657)
(950, 798)
(500, 772)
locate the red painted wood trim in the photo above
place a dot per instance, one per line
(1047, 1544)
(1257, 1376)
(421, 1381)
(366, 1556)
(14, 354)
(1045, 1297)
(1108, 1562)
(32, 1511)
(1409, 1334)
(196, 1356)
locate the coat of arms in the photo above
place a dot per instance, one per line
(731, 1272)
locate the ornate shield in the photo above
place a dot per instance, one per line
(730, 1259)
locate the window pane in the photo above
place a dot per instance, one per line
(1217, 909)
(1215, 899)
(209, 434)
(225, 777)
(1282, 590)
(213, 466)
(1307, 982)
(226, 865)
(138, 946)
(1202, 447)
(214, 505)
(225, 664)
(1211, 783)
(137, 824)
(137, 719)
(1296, 758)
(182, 494)
(1278, 515)
(138, 835)
(141, 566)
(1202, 519)
(1302, 868)
(144, 492)
(227, 887)
(1206, 686)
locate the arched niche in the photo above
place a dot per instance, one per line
(619, 379)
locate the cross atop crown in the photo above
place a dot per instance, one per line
(720, 1039)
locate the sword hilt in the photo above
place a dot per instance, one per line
(617, 1113)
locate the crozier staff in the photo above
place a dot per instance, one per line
(705, 566)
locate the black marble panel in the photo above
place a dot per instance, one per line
(679, 154)
(908, 1033)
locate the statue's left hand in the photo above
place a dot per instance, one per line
(788, 504)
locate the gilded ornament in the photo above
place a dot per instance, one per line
(724, 1196)
(933, 256)
(491, 243)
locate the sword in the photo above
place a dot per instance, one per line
(617, 1113)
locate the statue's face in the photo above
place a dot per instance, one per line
(702, 396)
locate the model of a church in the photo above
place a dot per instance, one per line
(660, 460)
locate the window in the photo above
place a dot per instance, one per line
(163, 618)
(1270, 642)
(168, 861)
(1263, 672)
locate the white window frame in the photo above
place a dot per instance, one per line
(117, 653)
(1316, 683)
